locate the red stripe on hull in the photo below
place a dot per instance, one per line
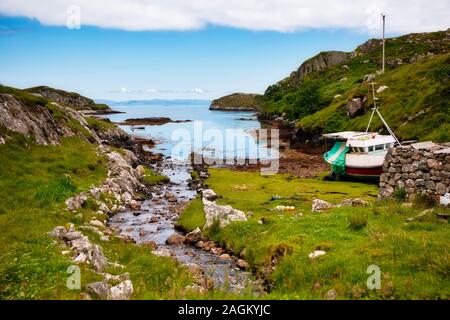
(364, 171)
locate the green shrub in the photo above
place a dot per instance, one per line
(400, 194)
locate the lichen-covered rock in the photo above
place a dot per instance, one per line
(321, 205)
(224, 215)
(123, 291)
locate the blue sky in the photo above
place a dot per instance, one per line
(121, 54)
(167, 64)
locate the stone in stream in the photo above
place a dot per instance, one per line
(175, 239)
(172, 199)
(224, 257)
(201, 245)
(143, 233)
(151, 244)
(194, 236)
(137, 213)
(242, 264)
(154, 219)
(135, 205)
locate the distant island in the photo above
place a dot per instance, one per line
(237, 102)
(158, 102)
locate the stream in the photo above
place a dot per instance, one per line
(156, 219)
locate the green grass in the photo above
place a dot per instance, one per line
(152, 178)
(192, 216)
(99, 125)
(27, 99)
(414, 258)
(34, 182)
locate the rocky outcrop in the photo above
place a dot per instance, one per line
(122, 185)
(356, 106)
(237, 102)
(421, 168)
(46, 124)
(321, 61)
(62, 97)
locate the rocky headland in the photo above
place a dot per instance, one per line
(237, 102)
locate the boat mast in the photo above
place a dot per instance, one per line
(384, 42)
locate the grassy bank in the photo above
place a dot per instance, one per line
(413, 257)
(34, 182)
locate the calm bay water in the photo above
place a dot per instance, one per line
(207, 130)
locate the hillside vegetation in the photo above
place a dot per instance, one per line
(237, 102)
(332, 91)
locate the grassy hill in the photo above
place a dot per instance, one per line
(415, 104)
(237, 102)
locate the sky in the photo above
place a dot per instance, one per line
(199, 49)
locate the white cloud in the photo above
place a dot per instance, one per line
(197, 91)
(276, 15)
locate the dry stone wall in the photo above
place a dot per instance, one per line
(420, 168)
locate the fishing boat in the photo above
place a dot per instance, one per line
(360, 154)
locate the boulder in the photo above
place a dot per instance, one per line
(97, 223)
(223, 214)
(98, 290)
(225, 257)
(209, 195)
(242, 264)
(135, 205)
(98, 259)
(321, 205)
(58, 232)
(69, 236)
(201, 245)
(194, 236)
(123, 291)
(356, 107)
(175, 239)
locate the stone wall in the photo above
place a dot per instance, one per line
(420, 168)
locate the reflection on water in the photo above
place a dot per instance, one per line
(216, 134)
